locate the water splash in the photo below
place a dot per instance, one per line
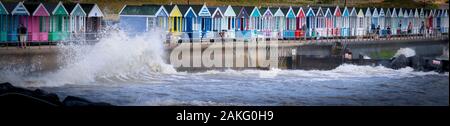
(408, 52)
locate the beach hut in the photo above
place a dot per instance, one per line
(255, 22)
(416, 24)
(175, 19)
(59, 22)
(375, 16)
(19, 15)
(204, 20)
(405, 21)
(217, 18)
(394, 21)
(345, 29)
(76, 19)
(38, 22)
(437, 20)
(242, 22)
(422, 18)
(4, 23)
(400, 20)
(328, 23)
(381, 22)
(267, 22)
(190, 25)
(337, 21)
(368, 21)
(301, 23)
(279, 26)
(411, 20)
(310, 22)
(290, 24)
(320, 23)
(133, 18)
(361, 25)
(353, 22)
(444, 21)
(229, 21)
(93, 19)
(387, 21)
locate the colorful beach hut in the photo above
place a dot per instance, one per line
(301, 23)
(381, 22)
(279, 25)
(328, 23)
(387, 21)
(267, 22)
(204, 20)
(417, 22)
(93, 20)
(353, 22)
(217, 21)
(361, 25)
(76, 19)
(255, 21)
(133, 18)
(310, 22)
(242, 22)
(38, 23)
(19, 15)
(190, 22)
(175, 19)
(345, 29)
(229, 21)
(4, 23)
(59, 23)
(320, 23)
(289, 32)
(405, 21)
(337, 23)
(444, 21)
(394, 21)
(375, 16)
(368, 21)
(411, 20)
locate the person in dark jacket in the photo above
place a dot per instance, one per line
(22, 31)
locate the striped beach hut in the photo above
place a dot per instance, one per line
(229, 22)
(353, 22)
(361, 25)
(19, 15)
(310, 22)
(328, 23)
(345, 29)
(38, 22)
(59, 23)
(291, 16)
(4, 23)
(204, 20)
(301, 23)
(337, 23)
(279, 26)
(320, 23)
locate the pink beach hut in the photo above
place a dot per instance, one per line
(38, 22)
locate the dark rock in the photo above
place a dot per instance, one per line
(399, 62)
(76, 101)
(15, 96)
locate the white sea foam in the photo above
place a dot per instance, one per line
(408, 52)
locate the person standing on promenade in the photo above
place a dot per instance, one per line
(22, 31)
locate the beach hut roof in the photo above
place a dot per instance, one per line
(243, 12)
(3, 10)
(268, 12)
(337, 12)
(328, 13)
(217, 13)
(361, 13)
(381, 13)
(301, 12)
(394, 12)
(92, 10)
(375, 13)
(310, 12)
(368, 12)
(405, 13)
(279, 13)
(186, 10)
(346, 12)
(77, 10)
(255, 12)
(20, 9)
(353, 13)
(388, 12)
(144, 10)
(40, 10)
(59, 9)
(229, 11)
(290, 13)
(203, 11)
(320, 12)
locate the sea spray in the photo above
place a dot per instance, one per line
(116, 56)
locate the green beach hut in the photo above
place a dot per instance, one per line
(3, 23)
(59, 22)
